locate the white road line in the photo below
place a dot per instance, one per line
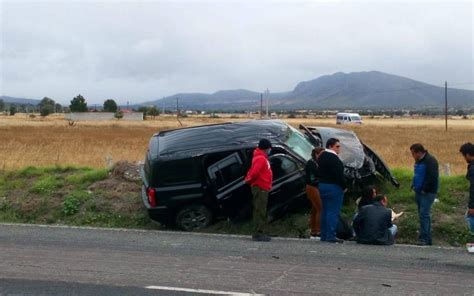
(201, 291)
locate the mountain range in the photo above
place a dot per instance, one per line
(357, 90)
(21, 101)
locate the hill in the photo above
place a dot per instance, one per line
(20, 101)
(361, 90)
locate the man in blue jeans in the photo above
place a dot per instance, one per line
(467, 151)
(331, 186)
(425, 184)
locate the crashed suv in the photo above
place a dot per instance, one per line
(193, 175)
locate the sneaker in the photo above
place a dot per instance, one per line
(315, 237)
(260, 237)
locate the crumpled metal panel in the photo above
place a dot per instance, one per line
(352, 152)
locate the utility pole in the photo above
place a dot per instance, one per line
(177, 107)
(267, 94)
(261, 106)
(446, 104)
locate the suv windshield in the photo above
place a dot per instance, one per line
(355, 118)
(299, 143)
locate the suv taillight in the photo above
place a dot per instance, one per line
(151, 194)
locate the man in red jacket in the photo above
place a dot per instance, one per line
(260, 178)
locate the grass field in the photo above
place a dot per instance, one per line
(50, 141)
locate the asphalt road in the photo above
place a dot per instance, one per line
(38, 260)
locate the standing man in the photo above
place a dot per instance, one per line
(425, 184)
(467, 150)
(260, 178)
(331, 187)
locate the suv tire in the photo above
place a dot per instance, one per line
(193, 217)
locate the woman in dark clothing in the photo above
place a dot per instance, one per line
(367, 198)
(312, 192)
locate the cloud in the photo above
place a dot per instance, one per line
(140, 51)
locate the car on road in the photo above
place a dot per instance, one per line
(193, 175)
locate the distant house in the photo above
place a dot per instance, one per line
(128, 115)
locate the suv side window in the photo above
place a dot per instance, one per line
(180, 171)
(226, 171)
(282, 166)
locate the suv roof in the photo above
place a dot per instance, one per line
(194, 141)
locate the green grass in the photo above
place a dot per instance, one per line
(46, 185)
(87, 177)
(60, 195)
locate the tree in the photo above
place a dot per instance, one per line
(78, 104)
(2, 105)
(12, 110)
(59, 108)
(110, 106)
(46, 106)
(153, 112)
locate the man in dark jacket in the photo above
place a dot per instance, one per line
(425, 184)
(260, 178)
(331, 187)
(467, 150)
(373, 225)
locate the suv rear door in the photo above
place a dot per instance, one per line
(228, 185)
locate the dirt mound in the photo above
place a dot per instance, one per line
(116, 185)
(124, 178)
(127, 170)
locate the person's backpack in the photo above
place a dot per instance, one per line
(343, 229)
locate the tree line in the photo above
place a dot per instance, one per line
(78, 104)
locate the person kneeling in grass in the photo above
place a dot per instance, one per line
(373, 224)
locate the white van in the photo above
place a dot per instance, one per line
(348, 118)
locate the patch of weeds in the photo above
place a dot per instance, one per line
(73, 201)
(106, 220)
(408, 227)
(29, 172)
(444, 208)
(7, 212)
(452, 233)
(13, 184)
(4, 204)
(35, 214)
(71, 205)
(88, 177)
(46, 185)
(57, 169)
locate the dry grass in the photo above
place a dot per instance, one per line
(28, 141)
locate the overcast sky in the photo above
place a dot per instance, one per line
(147, 50)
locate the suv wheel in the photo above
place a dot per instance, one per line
(193, 217)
